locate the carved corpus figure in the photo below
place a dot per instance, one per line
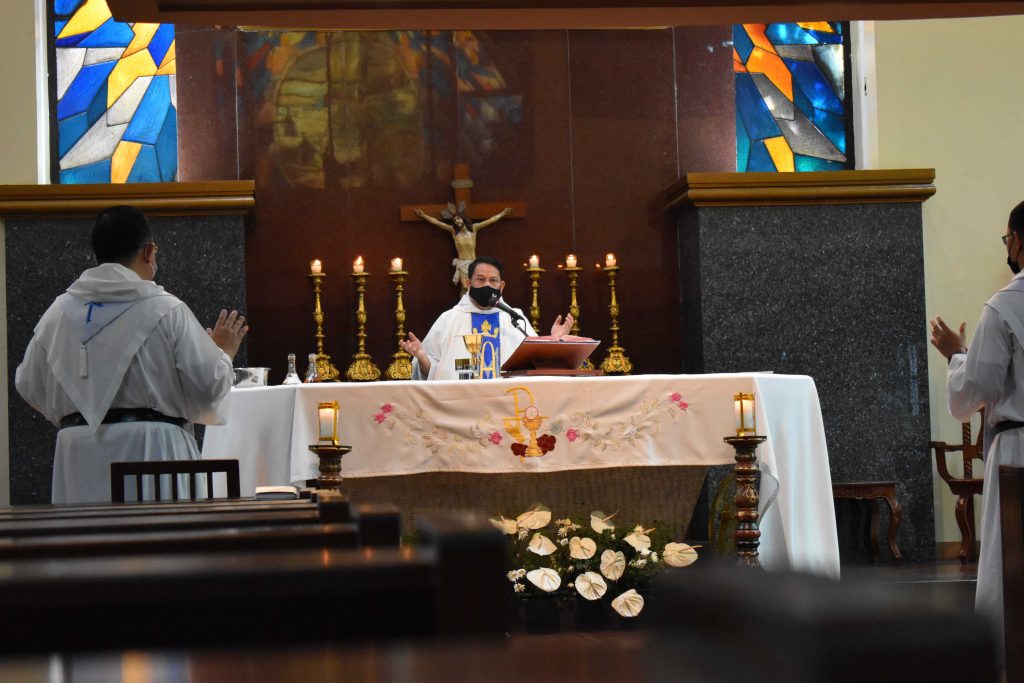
(463, 232)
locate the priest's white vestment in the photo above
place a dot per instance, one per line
(991, 374)
(114, 340)
(443, 343)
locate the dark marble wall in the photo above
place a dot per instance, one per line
(835, 292)
(608, 120)
(201, 260)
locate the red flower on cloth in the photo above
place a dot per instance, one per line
(387, 408)
(519, 449)
(495, 438)
(677, 398)
(546, 442)
(380, 417)
(572, 434)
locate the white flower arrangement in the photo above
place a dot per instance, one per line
(587, 558)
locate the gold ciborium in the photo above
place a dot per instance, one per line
(532, 419)
(474, 344)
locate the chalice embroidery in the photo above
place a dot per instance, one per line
(527, 416)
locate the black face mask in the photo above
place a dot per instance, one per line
(484, 296)
(1014, 266)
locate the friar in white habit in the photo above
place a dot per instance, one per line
(991, 375)
(122, 366)
(481, 310)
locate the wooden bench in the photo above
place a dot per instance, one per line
(873, 491)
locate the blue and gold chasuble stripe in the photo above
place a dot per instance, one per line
(487, 324)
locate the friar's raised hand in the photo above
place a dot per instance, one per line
(947, 341)
(412, 345)
(228, 332)
(562, 327)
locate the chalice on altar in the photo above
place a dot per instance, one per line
(474, 342)
(532, 419)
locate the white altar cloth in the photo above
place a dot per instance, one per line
(412, 427)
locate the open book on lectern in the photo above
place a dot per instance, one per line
(550, 355)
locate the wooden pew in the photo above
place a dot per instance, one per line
(1011, 517)
(254, 597)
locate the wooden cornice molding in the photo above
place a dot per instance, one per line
(534, 14)
(824, 187)
(155, 199)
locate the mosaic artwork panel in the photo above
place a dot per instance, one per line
(116, 106)
(333, 101)
(791, 105)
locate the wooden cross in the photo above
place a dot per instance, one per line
(463, 186)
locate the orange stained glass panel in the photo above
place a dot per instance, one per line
(822, 26)
(758, 37)
(122, 160)
(143, 34)
(737, 63)
(772, 66)
(780, 152)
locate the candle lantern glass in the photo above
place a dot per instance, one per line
(327, 415)
(746, 421)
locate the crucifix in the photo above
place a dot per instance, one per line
(463, 219)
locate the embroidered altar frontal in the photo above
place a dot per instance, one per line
(637, 445)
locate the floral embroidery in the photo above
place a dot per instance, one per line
(495, 438)
(641, 425)
(572, 434)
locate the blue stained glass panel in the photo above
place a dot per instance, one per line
(760, 159)
(805, 163)
(789, 34)
(69, 131)
(825, 38)
(833, 126)
(110, 34)
(82, 90)
(742, 145)
(149, 117)
(98, 172)
(757, 119)
(99, 104)
(66, 7)
(71, 41)
(167, 147)
(808, 77)
(160, 41)
(146, 169)
(741, 41)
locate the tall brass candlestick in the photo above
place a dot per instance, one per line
(574, 307)
(615, 363)
(401, 362)
(535, 272)
(362, 368)
(324, 368)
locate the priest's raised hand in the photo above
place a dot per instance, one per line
(228, 332)
(414, 348)
(562, 327)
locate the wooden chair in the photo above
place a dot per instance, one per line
(156, 468)
(966, 487)
(1011, 518)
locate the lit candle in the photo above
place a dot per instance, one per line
(744, 410)
(315, 268)
(609, 261)
(534, 261)
(570, 261)
(357, 265)
(327, 414)
(396, 264)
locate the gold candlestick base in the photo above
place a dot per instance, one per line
(401, 362)
(325, 369)
(747, 532)
(616, 362)
(362, 368)
(330, 464)
(401, 366)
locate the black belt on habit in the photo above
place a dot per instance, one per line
(1005, 425)
(124, 415)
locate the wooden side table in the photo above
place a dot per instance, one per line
(872, 490)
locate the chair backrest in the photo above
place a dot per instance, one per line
(1011, 512)
(156, 468)
(970, 450)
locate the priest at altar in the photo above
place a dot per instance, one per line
(480, 311)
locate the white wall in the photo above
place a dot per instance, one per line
(18, 163)
(949, 97)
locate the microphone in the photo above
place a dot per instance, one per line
(513, 313)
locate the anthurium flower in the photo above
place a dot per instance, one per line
(582, 548)
(536, 517)
(590, 585)
(613, 564)
(639, 540)
(541, 545)
(678, 555)
(545, 579)
(599, 521)
(629, 604)
(504, 525)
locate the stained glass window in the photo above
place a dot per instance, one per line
(791, 105)
(115, 97)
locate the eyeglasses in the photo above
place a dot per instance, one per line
(1006, 239)
(481, 280)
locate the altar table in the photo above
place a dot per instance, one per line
(405, 428)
